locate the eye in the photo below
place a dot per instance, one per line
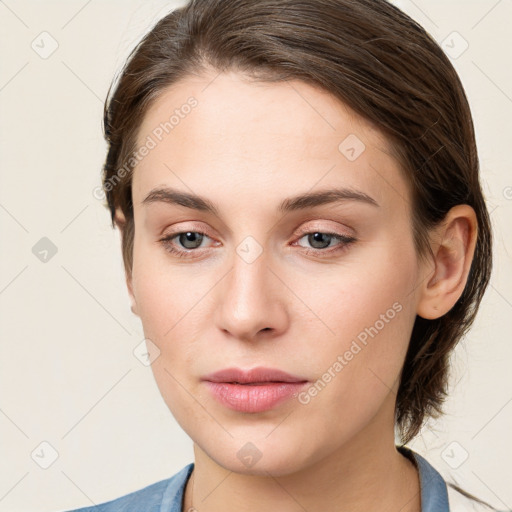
(190, 240)
(322, 242)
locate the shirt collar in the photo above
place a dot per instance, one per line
(434, 495)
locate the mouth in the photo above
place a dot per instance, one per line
(255, 383)
(255, 376)
(256, 390)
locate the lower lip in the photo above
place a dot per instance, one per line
(254, 398)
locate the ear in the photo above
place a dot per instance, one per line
(133, 301)
(120, 221)
(453, 245)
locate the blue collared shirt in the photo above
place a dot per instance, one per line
(167, 495)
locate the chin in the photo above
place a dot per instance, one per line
(259, 455)
(266, 466)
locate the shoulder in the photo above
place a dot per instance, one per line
(166, 492)
(148, 498)
(438, 495)
(434, 493)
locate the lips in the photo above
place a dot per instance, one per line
(253, 391)
(254, 376)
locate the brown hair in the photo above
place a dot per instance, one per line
(382, 64)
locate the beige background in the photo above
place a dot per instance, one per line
(68, 374)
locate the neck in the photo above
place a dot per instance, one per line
(366, 474)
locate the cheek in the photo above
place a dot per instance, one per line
(170, 310)
(164, 293)
(367, 313)
(168, 306)
(172, 304)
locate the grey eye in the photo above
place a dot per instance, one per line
(190, 237)
(319, 240)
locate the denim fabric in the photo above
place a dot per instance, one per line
(434, 493)
(167, 495)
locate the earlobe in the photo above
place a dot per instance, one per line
(133, 302)
(119, 219)
(453, 249)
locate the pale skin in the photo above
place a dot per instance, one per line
(246, 147)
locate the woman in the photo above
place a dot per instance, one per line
(305, 241)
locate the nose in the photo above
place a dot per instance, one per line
(252, 300)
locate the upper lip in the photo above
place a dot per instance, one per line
(254, 375)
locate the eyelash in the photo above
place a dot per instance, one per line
(345, 242)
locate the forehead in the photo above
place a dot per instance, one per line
(215, 132)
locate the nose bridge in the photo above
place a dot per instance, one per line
(250, 299)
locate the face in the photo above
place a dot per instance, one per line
(253, 276)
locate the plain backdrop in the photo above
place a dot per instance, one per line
(81, 418)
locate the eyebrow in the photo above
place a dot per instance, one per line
(299, 202)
